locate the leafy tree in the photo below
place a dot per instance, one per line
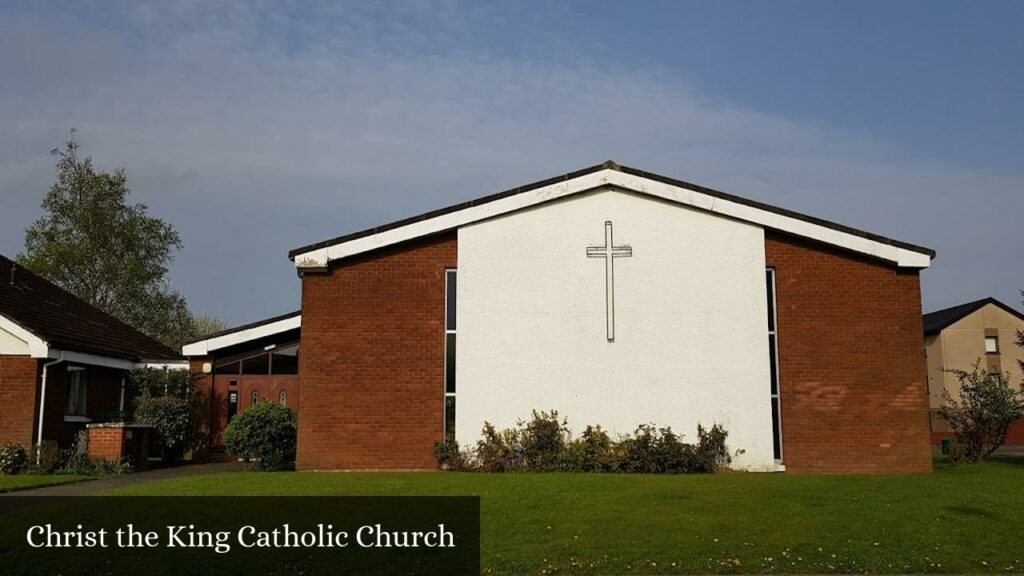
(982, 413)
(93, 243)
(206, 324)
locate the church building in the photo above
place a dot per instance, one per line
(616, 297)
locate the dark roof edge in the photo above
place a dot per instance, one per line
(968, 308)
(449, 209)
(611, 165)
(249, 326)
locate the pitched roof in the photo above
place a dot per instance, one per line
(243, 333)
(937, 321)
(831, 227)
(66, 322)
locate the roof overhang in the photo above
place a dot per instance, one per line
(204, 347)
(39, 348)
(614, 177)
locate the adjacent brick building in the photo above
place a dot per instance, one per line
(63, 363)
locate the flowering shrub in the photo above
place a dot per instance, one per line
(545, 444)
(13, 459)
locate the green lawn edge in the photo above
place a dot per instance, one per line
(964, 519)
(20, 482)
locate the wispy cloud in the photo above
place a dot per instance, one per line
(255, 129)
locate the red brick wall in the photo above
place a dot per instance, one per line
(106, 443)
(851, 361)
(18, 376)
(372, 364)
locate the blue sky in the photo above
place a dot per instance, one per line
(260, 127)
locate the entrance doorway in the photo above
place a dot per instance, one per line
(243, 380)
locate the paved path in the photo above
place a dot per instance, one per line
(114, 482)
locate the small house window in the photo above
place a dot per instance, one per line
(991, 344)
(283, 397)
(255, 398)
(76, 392)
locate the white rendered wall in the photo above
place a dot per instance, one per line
(691, 321)
(11, 344)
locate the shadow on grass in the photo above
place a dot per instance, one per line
(940, 462)
(973, 511)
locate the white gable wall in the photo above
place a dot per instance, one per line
(691, 328)
(11, 344)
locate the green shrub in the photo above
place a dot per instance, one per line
(544, 444)
(176, 423)
(652, 450)
(13, 459)
(46, 458)
(593, 451)
(450, 456)
(265, 435)
(499, 451)
(542, 440)
(712, 452)
(981, 415)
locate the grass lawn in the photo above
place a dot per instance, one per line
(968, 519)
(26, 481)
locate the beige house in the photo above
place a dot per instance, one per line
(984, 331)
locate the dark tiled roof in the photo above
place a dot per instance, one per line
(936, 321)
(248, 326)
(68, 323)
(610, 165)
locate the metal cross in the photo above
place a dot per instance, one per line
(609, 252)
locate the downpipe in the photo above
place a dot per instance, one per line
(42, 409)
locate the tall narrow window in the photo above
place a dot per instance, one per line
(232, 404)
(449, 355)
(283, 398)
(76, 391)
(773, 358)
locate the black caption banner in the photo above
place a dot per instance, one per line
(308, 535)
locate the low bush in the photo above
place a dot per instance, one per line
(545, 444)
(176, 424)
(450, 456)
(46, 458)
(13, 459)
(79, 464)
(264, 435)
(593, 451)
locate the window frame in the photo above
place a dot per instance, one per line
(771, 283)
(449, 273)
(995, 342)
(81, 382)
